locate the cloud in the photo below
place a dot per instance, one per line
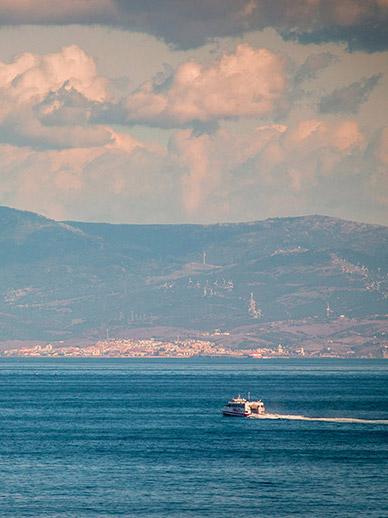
(65, 106)
(378, 156)
(45, 100)
(349, 98)
(246, 83)
(59, 154)
(187, 24)
(324, 165)
(22, 128)
(121, 181)
(48, 12)
(30, 77)
(380, 147)
(58, 101)
(193, 154)
(274, 170)
(313, 64)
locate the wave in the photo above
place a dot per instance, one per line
(322, 419)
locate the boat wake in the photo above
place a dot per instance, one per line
(321, 419)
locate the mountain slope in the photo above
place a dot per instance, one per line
(69, 279)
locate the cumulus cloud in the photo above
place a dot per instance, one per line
(246, 83)
(31, 77)
(274, 170)
(315, 165)
(188, 24)
(44, 100)
(349, 98)
(58, 154)
(123, 180)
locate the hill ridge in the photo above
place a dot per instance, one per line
(63, 279)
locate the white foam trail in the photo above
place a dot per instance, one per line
(322, 419)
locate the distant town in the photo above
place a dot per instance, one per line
(186, 348)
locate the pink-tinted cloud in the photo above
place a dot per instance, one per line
(315, 134)
(315, 165)
(64, 161)
(30, 80)
(221, 170)
(193, 154)
(30, 77)
(122, 179)
(246, 83)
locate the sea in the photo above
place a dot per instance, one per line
(146, 438)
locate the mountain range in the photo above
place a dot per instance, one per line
(73, 280)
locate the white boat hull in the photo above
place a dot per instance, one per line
(241, 407)
(235, 414)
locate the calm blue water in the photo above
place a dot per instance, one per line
(145, 438)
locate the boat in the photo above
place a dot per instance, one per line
(242, 407)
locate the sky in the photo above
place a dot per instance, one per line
(194, 111)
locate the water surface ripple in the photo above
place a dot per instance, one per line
(145, 438)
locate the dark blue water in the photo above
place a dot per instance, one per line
(145, 438)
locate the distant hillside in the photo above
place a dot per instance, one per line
(68, 279)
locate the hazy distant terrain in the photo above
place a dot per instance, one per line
(83, 280)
